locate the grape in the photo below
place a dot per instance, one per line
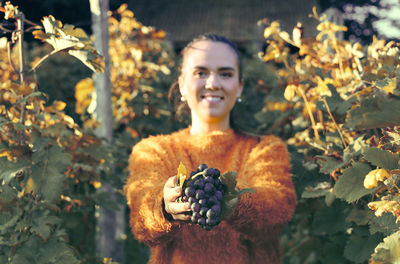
(190, 191)
(212, 172)
(213, 200)
(216, 208)
(217, 182)
(204, 191)
(209, 179)
(199, 183)
(218, 194)
(192, 200)
(203, 202)
(209, 172)
(195, 217)
(211, 222)
(202, 167)
(203, 211)
(216, 174)
(200, 194)
(209, 188)
(201, 221)
(195, 207)
(211, 213)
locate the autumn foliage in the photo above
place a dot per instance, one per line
(336, 102)
(345, 103)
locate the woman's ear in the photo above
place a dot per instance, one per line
(181, 86)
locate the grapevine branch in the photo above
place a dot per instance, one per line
(334, 122)
(3, 10)
(309, 111)
(308, 107)
(9, 57)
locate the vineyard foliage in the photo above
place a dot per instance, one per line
(343, 100)
(52, 165)
(337, 103)
(141, 72)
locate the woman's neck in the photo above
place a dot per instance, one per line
(204, 127)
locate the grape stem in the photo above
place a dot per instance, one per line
(198, 174)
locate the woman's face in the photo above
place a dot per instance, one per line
(209, 81)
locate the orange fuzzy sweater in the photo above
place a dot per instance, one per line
(251, 235)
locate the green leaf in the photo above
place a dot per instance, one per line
(361, 245)
(332, 250)
(388, 251)
(374, 112)
(360, 217)
(9, 169)
(385, 224)
(330, 220)
(229, 180)
(328, 164)
(48, 176)
(56, 252)
(9, 219)
(3, 258)
(382, 158)
(43, 226)
(19, 259)
(42, 230)
(350, 186)
(7, 193)
(231, 194)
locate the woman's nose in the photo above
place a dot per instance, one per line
(213, 82)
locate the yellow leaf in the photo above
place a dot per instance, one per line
(290, 92)
(373, 177)
(385, 206)
(381, 175)
(10, 10)
(59, 105)
(83, 94)
(69, 120)
(3, 43)
(323, 89)
(392, 83)
(30, 185)
(370, 180)
(96, 184)
(181, 175)
(272, 29)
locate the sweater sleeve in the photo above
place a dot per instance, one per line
(148, 172)
(266, 170)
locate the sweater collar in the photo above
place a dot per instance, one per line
(211, 139)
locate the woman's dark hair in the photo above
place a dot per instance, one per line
(174, 95)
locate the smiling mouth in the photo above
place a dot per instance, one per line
(212, 98)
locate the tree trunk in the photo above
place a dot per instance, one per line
(110, 226)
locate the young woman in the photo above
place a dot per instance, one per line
(210, 84)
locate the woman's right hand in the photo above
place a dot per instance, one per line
(171, 206)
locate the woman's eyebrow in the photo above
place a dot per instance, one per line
(225, 68)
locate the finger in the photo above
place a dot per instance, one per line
(181, 217)
(171, 194)
(171, 182)
(175, 208)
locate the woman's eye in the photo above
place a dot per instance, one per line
(200, 74)
(227, 74)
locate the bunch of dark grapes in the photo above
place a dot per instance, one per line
(204, 191)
